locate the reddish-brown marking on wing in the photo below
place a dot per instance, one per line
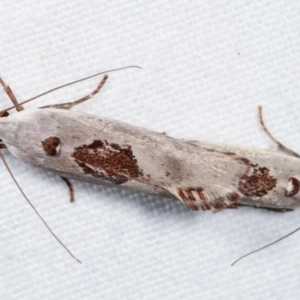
(51, 145)
(195, 199)
(234, 198)
(255, 180)
(259, 183)
(110, 161)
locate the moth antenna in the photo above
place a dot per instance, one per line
(35, 210)
(280, 146)
(70, 83)
(11, 95)
(266, 246)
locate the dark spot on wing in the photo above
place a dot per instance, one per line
(110, 161)
(256, 182)
(51, 145)
(234, 198)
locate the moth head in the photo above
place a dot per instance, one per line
(3, 114)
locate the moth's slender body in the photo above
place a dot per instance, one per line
(204, 176)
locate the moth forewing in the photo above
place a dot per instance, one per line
(204, 176)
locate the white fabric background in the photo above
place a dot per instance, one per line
(207, 65)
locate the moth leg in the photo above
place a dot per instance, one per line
(69, 105)
(70, 187)
(11, 95)
(279, 210)
(275, 209)
(280, 146)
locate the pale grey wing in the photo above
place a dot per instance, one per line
(264, 178)
(99, 150)
(217, 183)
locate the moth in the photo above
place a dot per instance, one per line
(202, 175)
(86, 147)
